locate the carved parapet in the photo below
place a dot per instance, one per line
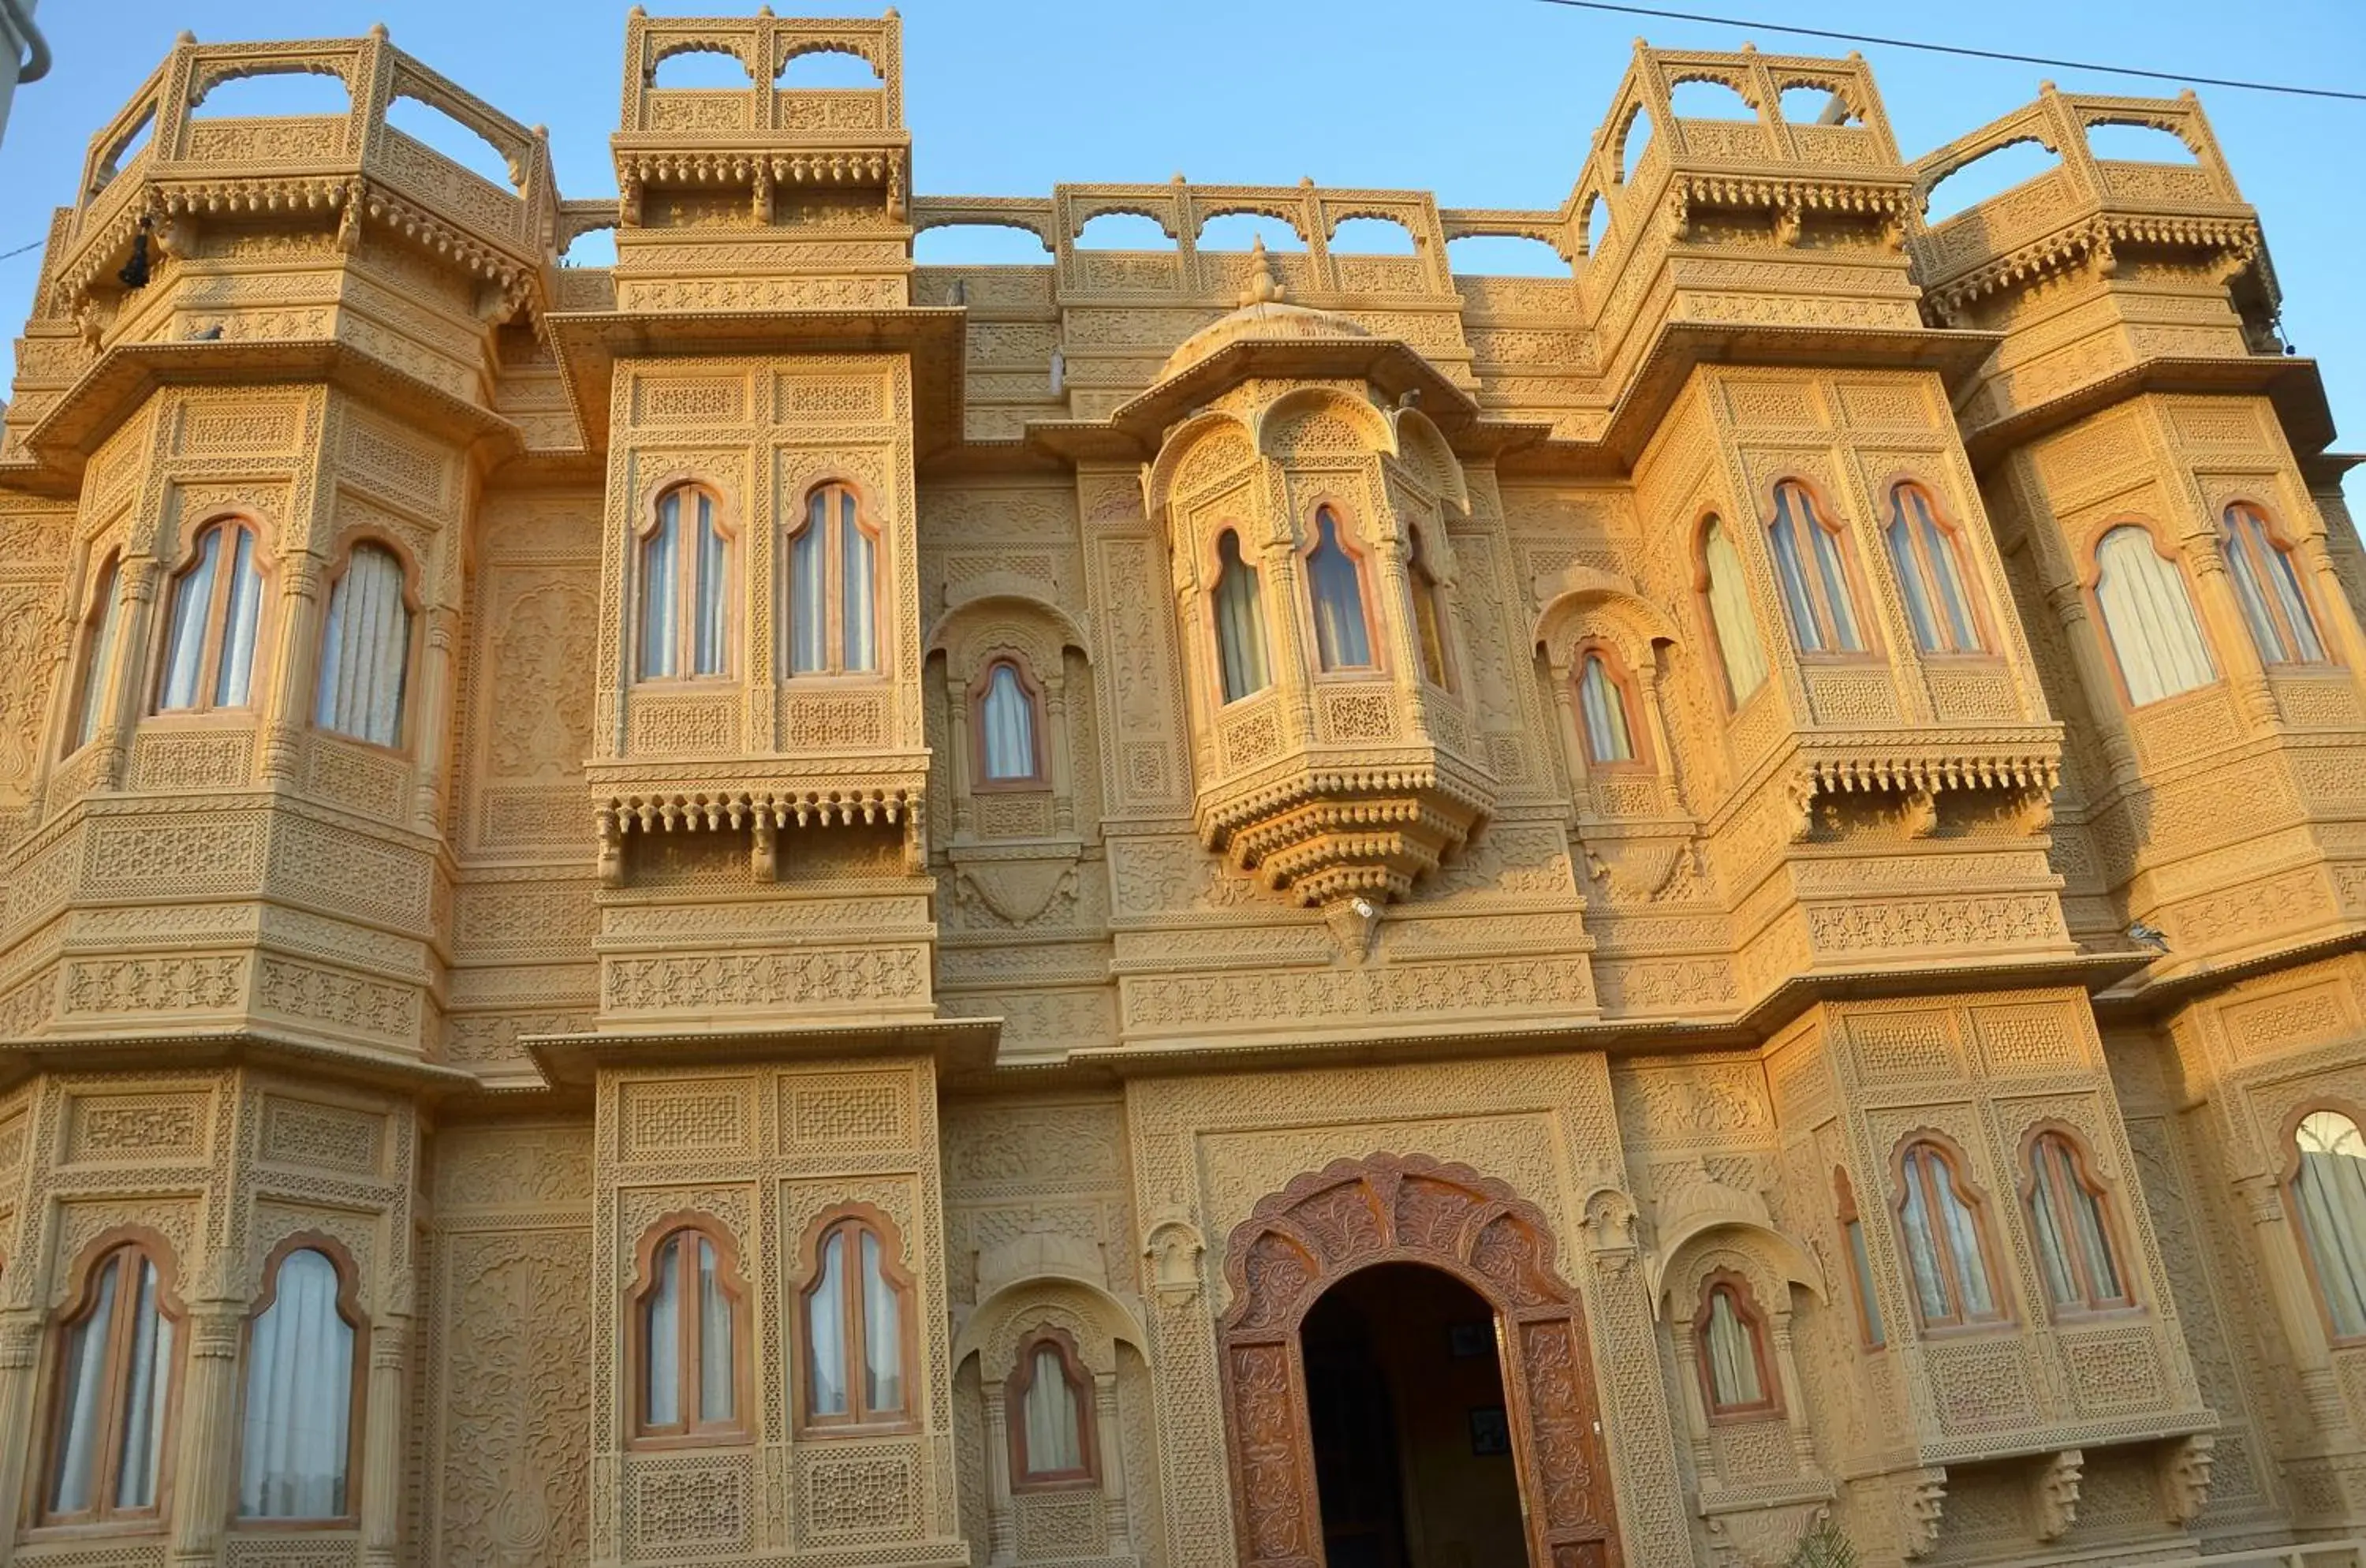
(759, 809)
(2024, 770)
(1324, 833)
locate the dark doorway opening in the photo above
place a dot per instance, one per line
(1404, 1395)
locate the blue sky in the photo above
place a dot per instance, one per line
(1489, 103)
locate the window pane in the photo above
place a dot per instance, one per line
(2330, 1194)
(856, 559)
(234, 680)
(2149, 618)
(882, 1336)
(1733, 1354)
(299, 1386)
(2094, 1243)
(1006, 716)
(808, 591)
(1835, 580)
(1427, 617)
(1909, 579)
(1963, 1237)
(364, 650)
(1603, 707)
(80, 1409)
(2285, 579)
(661, 1338)
(1728, 608)
(658, 586)
(1923, 1247)
(826, 1330)
(716, 1365)
(184, 649)
(1867, 1300)
(1946, 573)
(2047, 1204)
(1341, 639)
(712, 608)
(145, 1391)
(99, 660)
(1053, 1444)
(1806, 627)
(1240, 626)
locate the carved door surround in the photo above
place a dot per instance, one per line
(1349, 1216)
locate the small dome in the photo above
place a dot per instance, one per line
(1262, 318)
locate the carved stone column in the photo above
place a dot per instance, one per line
(431, 724)
(119, 704)
(294, 669)
(2247, 676)
(1112, 1457)
(2295, 1299)
(957, 746)
(1001, 1515)
(383, 1440)
(202, 1479)
(1062, 766)
(2096, 675)
(20, 1355)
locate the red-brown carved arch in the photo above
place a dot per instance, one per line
(1349, 1216)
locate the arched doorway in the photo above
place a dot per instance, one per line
(1354, 1217)
(1412, 1433)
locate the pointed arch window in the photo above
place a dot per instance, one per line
(117, 1366)
(1813, 573)
(1926, 552)
(1335, 584)
(96, 657)
(1732, 624)
(2267, 586)
(1240, 622)
(689, 1354)
(1428, 614)
(216, 609)
(1605, 709)
(1945, 1231)
(296, 1434)
(2148, 617)
(1005, 714)
(1869, 1303)
(833, 587)
(2328, 1194)
(366, 649)
(858, 1322)
(1729, 1333)
(2075, 1252)
(1050, 1415)
(685, 570)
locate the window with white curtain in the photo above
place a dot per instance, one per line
(2329, 1193)
(856, 1356)
(1727, 593)
(1945, 1245)
(115, 1369)
(215, 610)
(1814, 578)
(689, 1350)
(1240, 622)
(295, 1450)
(833, 611)
(364, 649)
(2268, 587)
(1005, 726)
(1868, 1303)
(1602, 711)
(1050, 1415)
(1429, 616)
(1732, 1349)
(685, 571)
(98, 656)
(1343, 640)
(2148, 617)
(1923, 551)
(2074, 1236)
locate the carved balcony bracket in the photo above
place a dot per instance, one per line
(2185, 1476)
(763, 813)
(2053, 1494)
(2023, 776)
(1323, 836)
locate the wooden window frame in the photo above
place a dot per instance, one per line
(1721, 664)
(833, 572)
(689, 1350)
(2090, 1306)
(1942, 1250)
(1958, 536)
(1424, 587)
(1350, 542)
(2092, 582)
(685, 589)
(1081, 1386)
(106, 587)
(1032, 691)
(859, 1421)
(1870, 1337)
(413, 605)
(1630, 695)
(1736, 1288)
(349, 1310)
(1824, 516)
(2229, 542)
(2289, 1188)
(132, 1241)
(217, 623)
(1215, 580)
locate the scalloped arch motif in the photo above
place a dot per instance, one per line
(1349, 1216)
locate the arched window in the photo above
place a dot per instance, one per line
(833, 626)
(116, 1371)
(1604, 715)
(1050, 1415)
(1946, 1242)
(217, 605)
(858, 1321)
(2074, 1235)
(1429, 616)
(97, 657)
(364, 649)
(1737, 1375)
(2275, 605)
(1809, 565)
(688, 1355)
(2148, 617)
(1924, 551)
(1004, 704)
(1240, 622)
(295, 1444)
(1868, 1305)
(1733, 622)
(2328, 1192)
(1343, 640)
(685, 590)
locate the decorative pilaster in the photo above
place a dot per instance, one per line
(111, 745)
(1001, 1521)
(1064, 778)
(20, 1354)
(430, 723)
(293, 670)
(202, 1478)
(2244, 674)
(383, 1438)
(2084, 639)
(1110, 1435)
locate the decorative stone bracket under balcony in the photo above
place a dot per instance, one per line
(1325, 834)
(763, 809)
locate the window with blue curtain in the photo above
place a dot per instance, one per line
(2328, 1195)
(215, 611)
(833, 589)
(1814, 578)
(1343, 639)
(1947, 1253)
(117, 1367)
(689, 1350)
(98, 655)
(1005, 726)
(2074, 1257)
(1923, 551)
(2267, 586)
(296, 1429)
(685, 573)
(1240, 622)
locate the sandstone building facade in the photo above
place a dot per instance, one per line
(1178, 906)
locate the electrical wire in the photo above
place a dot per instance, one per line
(20, 250)
(1956, 50)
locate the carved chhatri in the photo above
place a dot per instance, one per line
(783, 904)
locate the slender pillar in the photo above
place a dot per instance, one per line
(431, 724)
(20, 1355)
(1111, 1439)
(1001, 1521)
(383, 1441)
(202, 1479)
(1061, 769)
(293, 668)
(110, 747)
(2096, 675)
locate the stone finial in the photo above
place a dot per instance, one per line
(186, 37)
(1264, 288)
(377, 30)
